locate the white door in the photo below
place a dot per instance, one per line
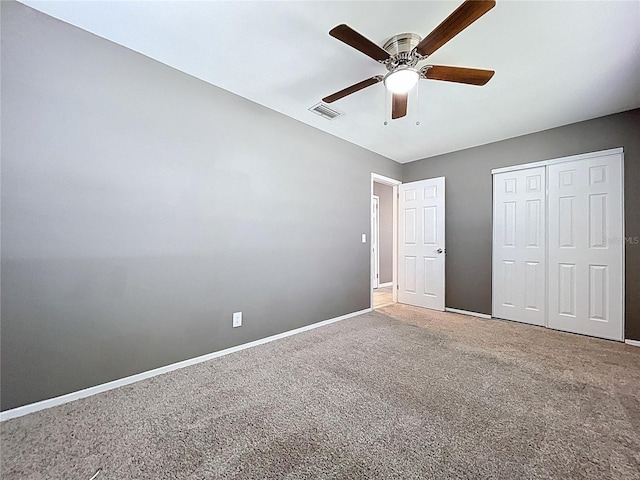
(421, 246)
(519, 262)
(586, 243)
(375, 239)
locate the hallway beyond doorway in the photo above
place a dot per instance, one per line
(382, 297)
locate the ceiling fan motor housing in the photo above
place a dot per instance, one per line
(404, 42)
(401, 48)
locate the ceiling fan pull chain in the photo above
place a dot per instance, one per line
(387, 101)
(417, 103)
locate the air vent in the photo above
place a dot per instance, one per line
(326, 112)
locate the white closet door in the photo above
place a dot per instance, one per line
(586, 247)
(519, 262)
(421, 246)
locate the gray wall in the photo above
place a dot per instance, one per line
(385, 192)
(469, 201)
(141, 207)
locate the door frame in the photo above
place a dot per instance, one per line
(375, 236)
(392, 182)
(554, 161)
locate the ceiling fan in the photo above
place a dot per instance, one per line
(402, 53)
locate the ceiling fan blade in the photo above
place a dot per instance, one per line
(461, 18)
(472, 76)
(352, 89)
(399, 105)
(348, 35)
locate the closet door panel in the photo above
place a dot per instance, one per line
(586, 247)
(519, 261)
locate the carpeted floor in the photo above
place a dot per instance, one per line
(400, 393)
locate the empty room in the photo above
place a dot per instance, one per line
(320, 239)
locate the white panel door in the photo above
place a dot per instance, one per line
(586, 247)
(519, 283)
(421, 244)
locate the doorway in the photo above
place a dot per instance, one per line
(384, 208)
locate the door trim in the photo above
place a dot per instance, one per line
(552, 161)
(375, 234)
(392, 182)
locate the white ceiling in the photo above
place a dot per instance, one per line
(556, 62)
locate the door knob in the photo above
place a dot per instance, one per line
(439, 250)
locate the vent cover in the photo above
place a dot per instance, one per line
(326, 112)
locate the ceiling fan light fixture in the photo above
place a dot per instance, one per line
(401, 80)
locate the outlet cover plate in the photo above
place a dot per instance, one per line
(237, 319)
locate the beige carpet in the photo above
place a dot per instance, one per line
(403, 393)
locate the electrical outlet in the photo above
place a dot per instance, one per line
(364, 238)
(237, 319)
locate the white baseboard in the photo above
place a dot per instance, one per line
(388, 284)
(465, 312)
(635, 343)
(87, 392)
